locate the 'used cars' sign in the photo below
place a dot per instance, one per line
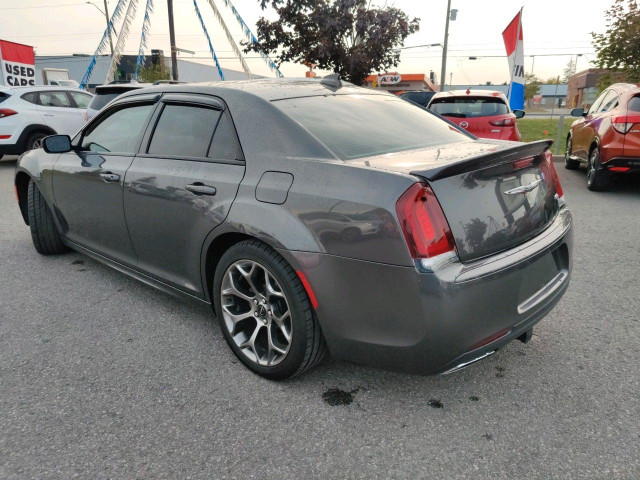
(18, 64)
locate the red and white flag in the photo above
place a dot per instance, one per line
(18, 64)
(513, 43)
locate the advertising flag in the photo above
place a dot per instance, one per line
(18, 64)
(512, 36)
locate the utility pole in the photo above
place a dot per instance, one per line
(172, 39)
(106, 14)
(443, 71)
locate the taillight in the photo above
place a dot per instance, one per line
(548, 157)
(623, 123)
(504, 122)
(6, 112)
(423, 223)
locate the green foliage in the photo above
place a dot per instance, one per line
(569, 70)
(349, 37)
(619, 47)
(153, 73)
(531, 86)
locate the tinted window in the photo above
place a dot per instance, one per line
(54, 99)
(596, 105)
(225, 145)
(610, 102)
(634, 104)
(3, 97)
(119, 132)
(101, 99)
(355, 126)
(30, 97)
(421, 98)
(82, 99)
(469, 107)
(184, 130)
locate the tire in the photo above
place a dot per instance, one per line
(279, 336)
(569, 163)
(44, 233)
(35, 140)
(597, 179)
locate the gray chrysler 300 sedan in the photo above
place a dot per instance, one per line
(316, 217)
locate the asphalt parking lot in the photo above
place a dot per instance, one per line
(104, 377)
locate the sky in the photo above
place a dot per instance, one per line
(551, 27)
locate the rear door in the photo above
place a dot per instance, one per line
(584, 132)
(88, 181)
(59, 112)
(181, 186)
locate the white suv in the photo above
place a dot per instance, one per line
(28, 114)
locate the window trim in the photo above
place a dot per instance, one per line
(98, 119)
(74, 104)
(193, 100)
(64, 92)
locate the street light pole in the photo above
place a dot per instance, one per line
(443, 71)
(172, 40)
(106, 16)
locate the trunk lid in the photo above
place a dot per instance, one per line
(495, 195)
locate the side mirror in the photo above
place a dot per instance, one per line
(57, 144)
(518, 113)
(577, 112)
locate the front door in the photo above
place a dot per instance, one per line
(88, 181)
(59, 112)
(182, 186)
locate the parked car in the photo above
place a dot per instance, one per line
(216, 193)
(484, 113)
(421, 97)
(106, 93)
(606, 138)
(28, 114)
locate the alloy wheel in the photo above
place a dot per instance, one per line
(567, 154)
(591, 167)
(37, 143)
(256, 312)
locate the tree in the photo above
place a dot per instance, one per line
(569, 70)
(154, 72)
(619, 47)
(531, 86)
(349, 37)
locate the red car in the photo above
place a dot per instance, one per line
(606, 138)
(484, 113)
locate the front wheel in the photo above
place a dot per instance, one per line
(44, 233)
(569, 163)
(597, 178)
(264, 312)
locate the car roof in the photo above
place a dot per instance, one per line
(268, 89)
(626, 87)
(470, 93)
(40, 88)
(117, 87)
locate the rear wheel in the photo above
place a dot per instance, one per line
(597, 178)
(44, 233)
(35, 140)
(569, 163)
(264, 312)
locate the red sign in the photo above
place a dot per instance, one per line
(18, 64)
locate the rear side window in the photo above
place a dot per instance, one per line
(82, 99)
(356, 126)
(634, 104)
(3, 97)
(101, 99)
(421, 98)
(225, 145)
(30, 97)
(54, 99)
(469, 107)
(119, 131)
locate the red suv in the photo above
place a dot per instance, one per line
(484, 113)
(607, 137)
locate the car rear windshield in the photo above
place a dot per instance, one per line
(101, 99)
(468, 107)
(634, 104)
(356, 126)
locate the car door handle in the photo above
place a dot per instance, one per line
(201, 189)
(110, 177)
(47, 114)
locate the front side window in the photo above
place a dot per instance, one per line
(469, 107)
(54, 99)
(355, 126)
(610, 102)
(119, 132)
(184, 130)
(595, 108)
(82, 99)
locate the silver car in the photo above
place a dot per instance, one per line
(314, 217)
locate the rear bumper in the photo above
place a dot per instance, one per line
(632, 164)
(432, 318)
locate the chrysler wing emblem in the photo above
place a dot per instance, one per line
(524, 188)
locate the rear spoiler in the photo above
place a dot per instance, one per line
(493, 159)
